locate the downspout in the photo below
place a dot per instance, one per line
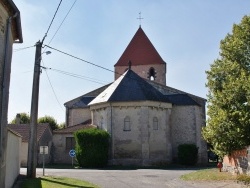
(112, 135)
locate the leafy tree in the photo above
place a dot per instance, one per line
(49, 119)
(228, 124)
(24, 118)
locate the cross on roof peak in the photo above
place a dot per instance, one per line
(140, 18)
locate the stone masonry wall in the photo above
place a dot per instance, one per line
(143, 70)
(141, 145)
(78, 115)
(186, 125)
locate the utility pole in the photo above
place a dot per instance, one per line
(32, 148)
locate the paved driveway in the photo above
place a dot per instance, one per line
(140, 178)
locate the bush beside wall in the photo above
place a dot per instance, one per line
(187, 154)
(92, 146)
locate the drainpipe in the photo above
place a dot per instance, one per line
(111, 130)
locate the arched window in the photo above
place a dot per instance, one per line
(127, 124)
(155, 123)
(151, 74)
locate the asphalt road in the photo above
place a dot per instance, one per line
(139, 178)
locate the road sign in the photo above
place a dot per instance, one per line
(72, 153)
(44, 149)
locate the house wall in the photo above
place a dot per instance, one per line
(24, 154)
(141, 145)
(3, 25)
(13, 158)
(45, 140)
(59, 152)
(78, 115)
(186, 124)
(143, 71)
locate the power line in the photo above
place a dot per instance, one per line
(51, 21)
(80, 59)
(24, 48)
(75, 75)
(53, 89)
(85, 61)
(62, 22)
(78, 76)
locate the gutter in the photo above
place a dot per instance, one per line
(18, 21)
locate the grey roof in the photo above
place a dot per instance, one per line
(84, 100)
(181, 99)
(129, 87)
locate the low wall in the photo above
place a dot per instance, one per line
(237, 162)
(13, 158)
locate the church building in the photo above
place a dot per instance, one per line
(147, 120)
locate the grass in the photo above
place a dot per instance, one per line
(211, 174)
(57, 182)
(244, 179)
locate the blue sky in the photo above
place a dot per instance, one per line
(186, 34)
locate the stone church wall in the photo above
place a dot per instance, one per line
(142, 143)
(143, 71)
(78, 115)
(186, 123)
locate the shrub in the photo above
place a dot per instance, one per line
(187, 154)
(92, 146)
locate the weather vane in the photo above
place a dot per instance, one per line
(140, 18)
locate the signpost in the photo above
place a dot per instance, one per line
(72, 154)
(44, 150)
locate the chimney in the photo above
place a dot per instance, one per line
(18, 119)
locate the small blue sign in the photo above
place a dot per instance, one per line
(72, 153)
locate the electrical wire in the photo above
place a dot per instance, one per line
(53, 89)
(20, 49)
(78, 76)
(62, 21)
(51, 21)
(80, 59)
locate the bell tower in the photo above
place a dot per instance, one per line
(145, 60)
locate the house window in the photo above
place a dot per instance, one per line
(155, 123)
(70, 143)
(127, 124)
(152, 74)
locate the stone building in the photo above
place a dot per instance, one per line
(10, 32)
(146, 119)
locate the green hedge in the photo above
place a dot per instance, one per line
(92, 146)
(187, 154)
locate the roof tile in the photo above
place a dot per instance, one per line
(140, 51)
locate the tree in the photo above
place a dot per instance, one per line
(24, 118)
(49, 119)
(228, 124)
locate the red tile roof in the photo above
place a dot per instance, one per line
(23, 130)
(140, 51)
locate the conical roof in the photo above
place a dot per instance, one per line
(140, 51)
(129, 87)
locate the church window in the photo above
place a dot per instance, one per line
(152, 74)
(127, 124)
(70, 143)
(155, 123)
